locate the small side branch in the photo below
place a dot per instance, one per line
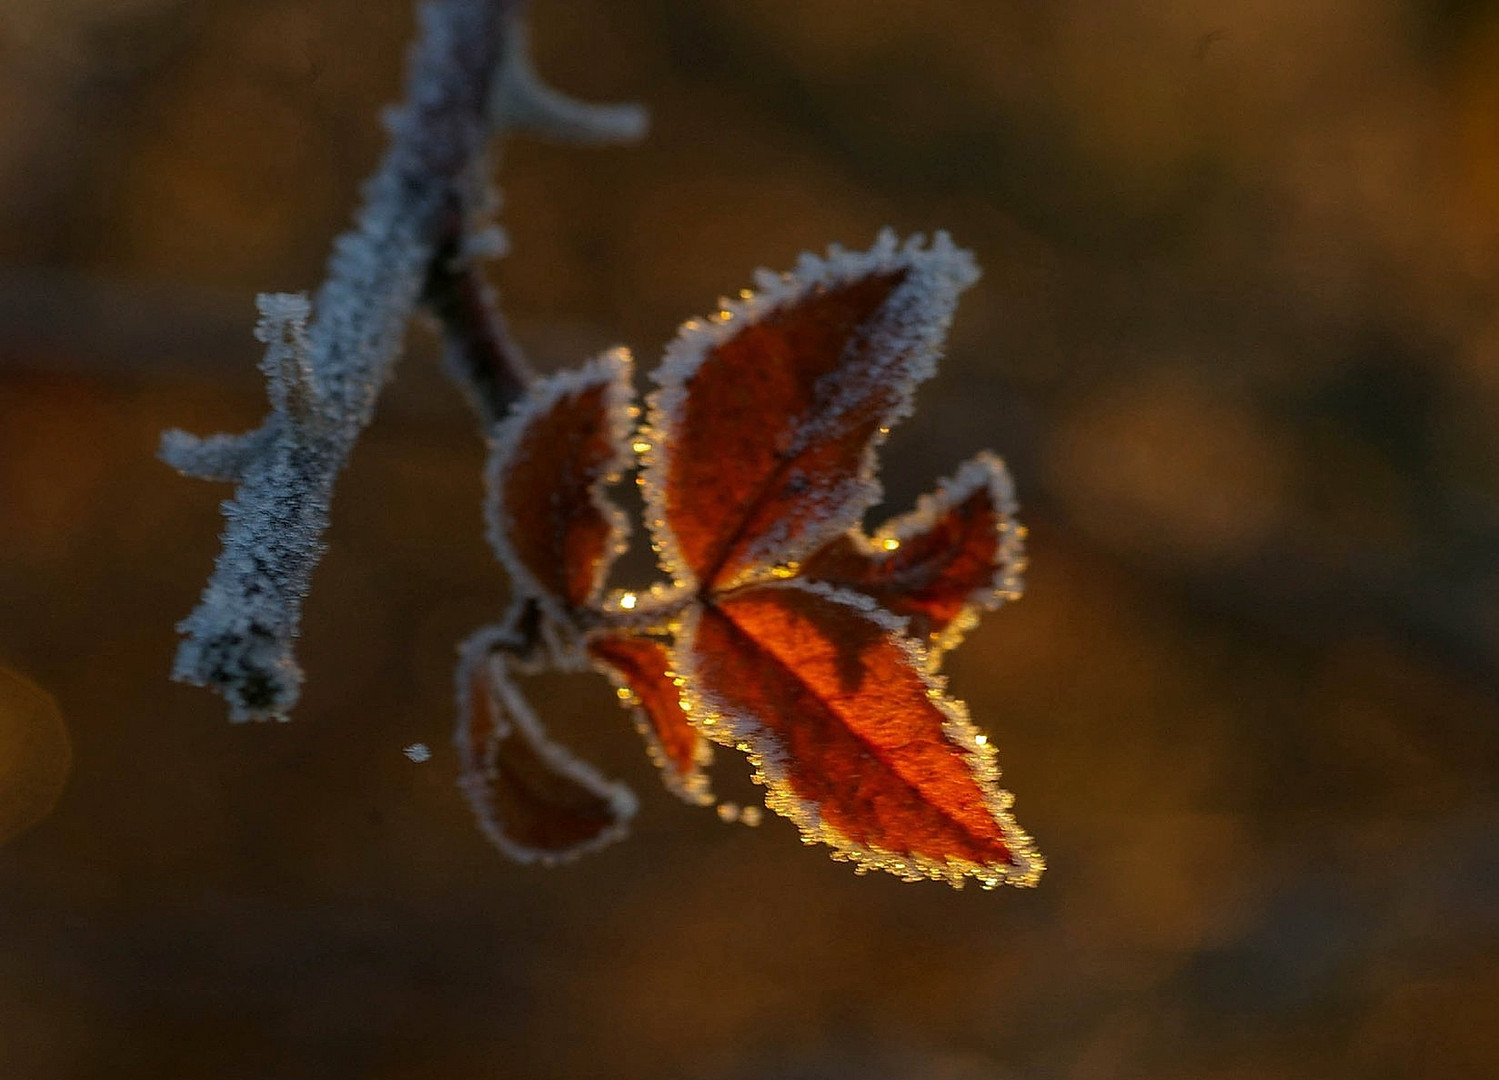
(415, 239)
(521, 102)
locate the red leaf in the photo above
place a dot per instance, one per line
(549, 520)
(534, 800)
(763, 432)
(640, 669)
(855, 740)
(958, 553)
(790, 629)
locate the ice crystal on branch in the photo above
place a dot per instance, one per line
(785, 632)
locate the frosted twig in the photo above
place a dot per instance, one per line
(519, 101)
(416, 235)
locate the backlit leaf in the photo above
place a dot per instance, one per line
(855, 740)
(640, 669)
(785, 631)
(549, 520)
(762, 435)
(958, 553)
(533, 799)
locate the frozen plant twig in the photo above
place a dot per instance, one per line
(519, 101)
(416, 236)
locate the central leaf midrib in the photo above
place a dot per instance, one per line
(858, 338)
(751, 507)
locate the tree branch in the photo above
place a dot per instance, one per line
(416, 235)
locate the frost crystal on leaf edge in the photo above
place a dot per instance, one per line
(746, 733)
(695, 788)
(984, 469)
(612, 370)
(479, 649)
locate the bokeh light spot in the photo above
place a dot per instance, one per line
(35, 754)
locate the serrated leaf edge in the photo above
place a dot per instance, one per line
(746, 733)
(613, 370)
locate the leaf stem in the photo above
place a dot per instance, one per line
(478, 348)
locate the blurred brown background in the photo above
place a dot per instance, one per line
(1238, 336)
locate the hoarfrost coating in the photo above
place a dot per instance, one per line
(325, 362)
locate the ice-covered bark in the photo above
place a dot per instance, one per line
(421, 224)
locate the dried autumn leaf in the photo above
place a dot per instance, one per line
(856, 742)
(640, 669)
(957, 554)
(534, 800)
(550, 522)
(763, 431)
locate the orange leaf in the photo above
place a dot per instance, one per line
(549, 520)
(855, 740)
(958, 553)
(534, 800)
(762, 433)
(640, 669)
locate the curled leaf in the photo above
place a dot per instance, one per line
(958, 553)
(762, 434)
(533, 799)
(855, 740)
(550, 521)
(640, 669)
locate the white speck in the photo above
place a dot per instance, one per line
(418, 752)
